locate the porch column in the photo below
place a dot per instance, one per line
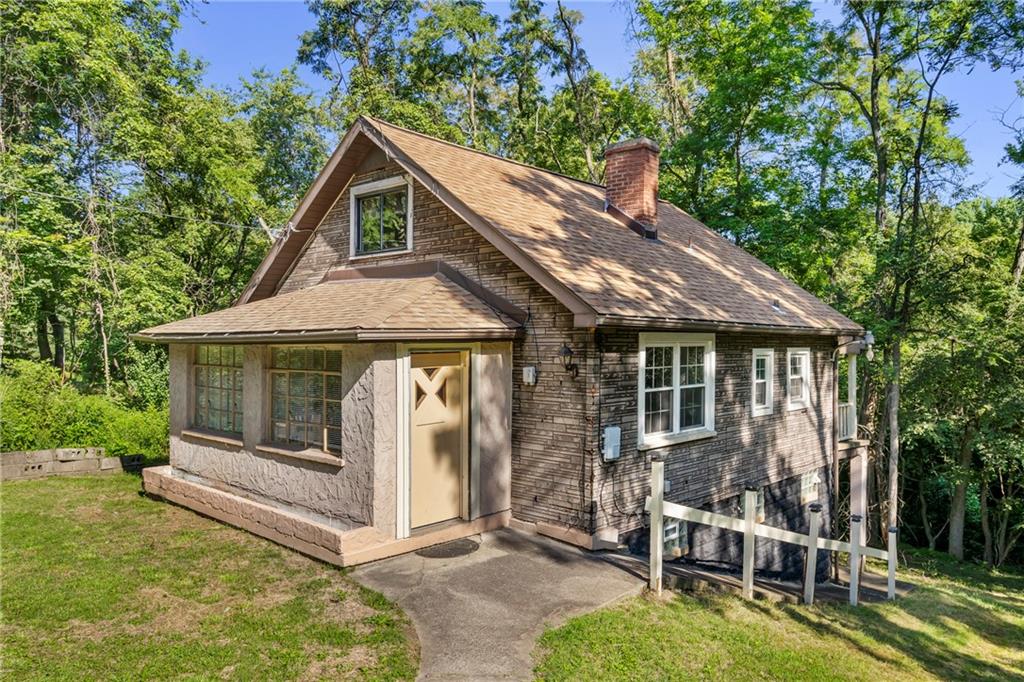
(851, 392)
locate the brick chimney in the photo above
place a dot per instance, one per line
(631, 181)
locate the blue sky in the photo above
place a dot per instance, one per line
(234, 38)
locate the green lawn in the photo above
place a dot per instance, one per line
(962, 622)
(102, 583)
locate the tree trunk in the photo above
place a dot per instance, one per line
(104, 345)
(1018, 260)
(893, 419)
(986, 529)
(958, 505)
(42, 338)
(57, 328)
(925, 523)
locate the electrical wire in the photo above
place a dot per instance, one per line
(123, 207)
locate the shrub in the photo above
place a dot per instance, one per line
(37, 413)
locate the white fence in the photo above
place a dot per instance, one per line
(751, 529)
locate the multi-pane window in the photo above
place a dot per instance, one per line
(218, 388)
(798, 377)
(761, 389)
(305, 397)
(677, 385)
(382, 220)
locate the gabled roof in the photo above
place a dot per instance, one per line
(418, 302)
(556, 228)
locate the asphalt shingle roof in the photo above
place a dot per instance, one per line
(351, 308)
(690, 273)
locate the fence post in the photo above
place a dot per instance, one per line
(855, 520)
(892, 562)
(657, 523)
(812, 553)
(749, 521)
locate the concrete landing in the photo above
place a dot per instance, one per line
(478, 616)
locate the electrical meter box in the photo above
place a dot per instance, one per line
(612, 445)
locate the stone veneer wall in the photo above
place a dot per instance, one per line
(746, 449)
(552, 446)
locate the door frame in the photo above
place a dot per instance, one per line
(403, 441)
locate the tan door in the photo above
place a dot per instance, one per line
(439, 437)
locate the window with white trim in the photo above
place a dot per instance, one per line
(381, 216)
(217, 403)
(676, 399)
(798, 378)
(305, 398)
(809, 487)
(762, 372)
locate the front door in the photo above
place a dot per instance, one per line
(439, 437)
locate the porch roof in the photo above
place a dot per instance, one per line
(372, 305)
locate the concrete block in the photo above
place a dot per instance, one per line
(76, 466)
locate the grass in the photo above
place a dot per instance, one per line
(962, 622)
(102, 583)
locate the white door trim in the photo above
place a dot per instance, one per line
(470, 469)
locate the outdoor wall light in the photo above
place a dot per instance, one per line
(565, 353)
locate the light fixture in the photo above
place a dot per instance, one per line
(565, 353)
(869, 344)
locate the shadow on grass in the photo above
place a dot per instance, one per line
(936, 618)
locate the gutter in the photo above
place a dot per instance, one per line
(597, 320)
(337, 335)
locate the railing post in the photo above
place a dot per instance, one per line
(657, 523)
(892, 562)
(749, 521)
(855, 521)
(810, 570)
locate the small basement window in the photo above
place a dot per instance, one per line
(305, 395)
(381, 217)
(218, 388)
(809, 487)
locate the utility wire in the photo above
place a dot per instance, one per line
(123, 207)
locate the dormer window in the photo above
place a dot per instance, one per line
(381, 217)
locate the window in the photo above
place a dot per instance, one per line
(305, 398)
(809, 487)
(761, 382)
(798, 378)
(676, 388)
(381, 217)
(218, 388)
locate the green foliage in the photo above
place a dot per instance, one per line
(37, 412)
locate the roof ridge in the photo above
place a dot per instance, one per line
(496, 157)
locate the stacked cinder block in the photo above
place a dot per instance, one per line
(63, 462)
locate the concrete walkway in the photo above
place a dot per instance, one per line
(478, 616)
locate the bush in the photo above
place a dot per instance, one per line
(37, 413)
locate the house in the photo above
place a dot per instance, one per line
(444, 342)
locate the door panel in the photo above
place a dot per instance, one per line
(439, 437)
